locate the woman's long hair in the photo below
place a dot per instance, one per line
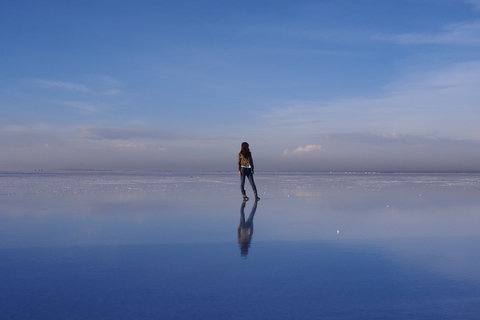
(245, 150)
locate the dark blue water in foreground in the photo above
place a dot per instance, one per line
(168, 246)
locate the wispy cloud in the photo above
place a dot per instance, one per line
(386, 152)
(434, 102)
(62, 85)
(100, 85)
(395, 140)
(142, 148)
(21, 137)
(475, 3)
(102, 80)
(466, 33)
(123, 133)
(131, 145)
(111, 92)
(81, 106)
(299, 31)
(104, 85)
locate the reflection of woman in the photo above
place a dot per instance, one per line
(245, 169)
(245, 229)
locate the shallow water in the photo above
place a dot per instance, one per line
(110, 245)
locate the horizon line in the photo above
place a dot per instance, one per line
(262, 171)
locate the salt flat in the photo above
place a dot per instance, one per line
(109, 245)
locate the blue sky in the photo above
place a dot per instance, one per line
(344, 85)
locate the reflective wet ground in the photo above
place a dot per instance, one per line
(109, 245)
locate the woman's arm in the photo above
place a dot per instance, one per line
(239, 160)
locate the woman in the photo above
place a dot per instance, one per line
(245, 169)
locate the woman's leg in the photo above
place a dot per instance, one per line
(252, 183)
(242, 182)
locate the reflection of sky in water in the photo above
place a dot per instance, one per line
(154, 245)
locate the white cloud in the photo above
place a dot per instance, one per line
(306, 149)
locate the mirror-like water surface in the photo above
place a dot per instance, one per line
(184, 246)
